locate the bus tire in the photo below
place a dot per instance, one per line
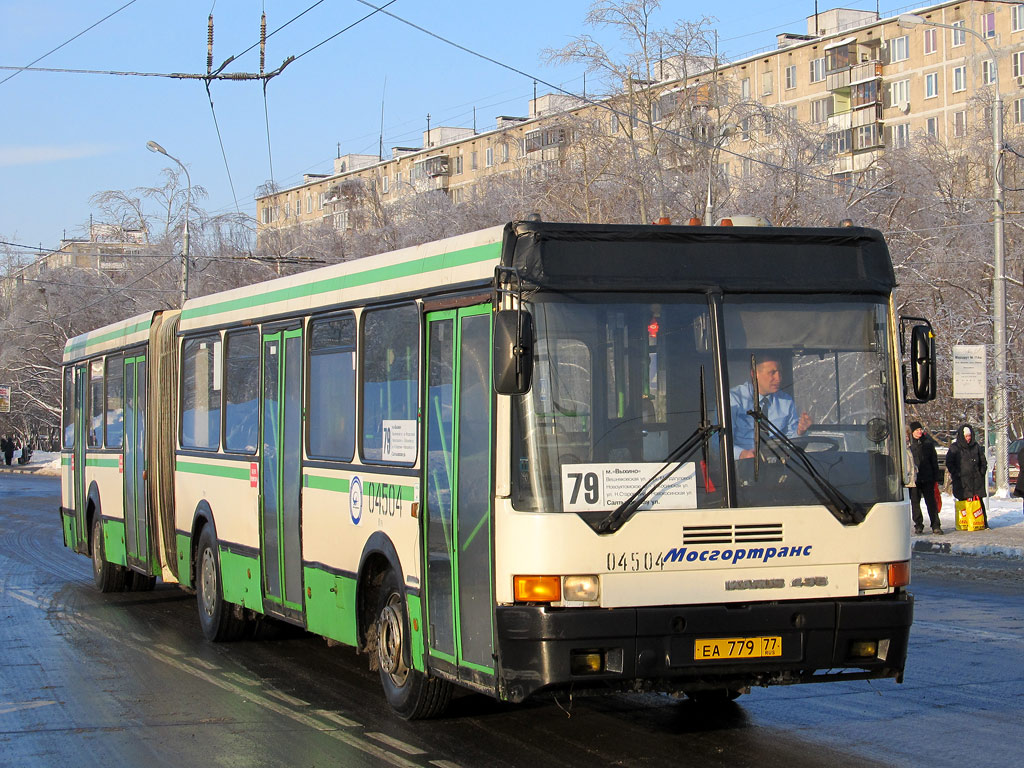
(216, 617)
(410, 693)
(108, 576)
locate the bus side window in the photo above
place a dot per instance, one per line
(241, 390)
(332, 396)
(389, 378)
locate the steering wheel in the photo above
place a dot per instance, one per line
(806, 441)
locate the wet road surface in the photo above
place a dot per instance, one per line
(127, 679)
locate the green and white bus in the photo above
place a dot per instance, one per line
(519, 460)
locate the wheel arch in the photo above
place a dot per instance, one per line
(378, 557)
(202, 517)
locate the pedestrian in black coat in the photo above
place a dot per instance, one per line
(968, 467)
(926, 462)
(8, 449)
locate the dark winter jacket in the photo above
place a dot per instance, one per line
(925, 459)
(967, 465)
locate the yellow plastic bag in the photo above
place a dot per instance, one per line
(969, 516)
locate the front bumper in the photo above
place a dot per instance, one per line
(653, 648)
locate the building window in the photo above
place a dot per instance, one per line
(398, 179)
(930, 40)
(746, 167)
(958, 35)
(472, 160)
(931, 127)
(504, 147)
(988, 72)
(321, 201)
(1016, 18)
(837, 58)
(745, 88)
(900, 48)
(864, 93)
(489, 157)
(838, 142)
(900, 136)
(613, 125)
(309, 203)
(287, 208)
(1017, 60)
(988, 24)
(745, 129)
(791, 77)
(931, 85)
(458, 164)
(821, 109)
(385, 184)
(1018, 111)
(817, 70)
(792, 114)
(899, 93)
(865, 136)
(332, 388)
(959, 79)
(767, 84)
(960, 123)
(241, 391)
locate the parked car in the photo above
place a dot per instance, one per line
(1011, 459)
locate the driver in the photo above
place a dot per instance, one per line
(777, 406)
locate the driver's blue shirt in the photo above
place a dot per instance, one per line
(778, 407)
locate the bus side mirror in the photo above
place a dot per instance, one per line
(922, 363)
(512, 351)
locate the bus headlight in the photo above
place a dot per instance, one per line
(882, 575)
(581, 589)
(873, 576)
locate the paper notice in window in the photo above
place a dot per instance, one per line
(605, 486)
(399, 436)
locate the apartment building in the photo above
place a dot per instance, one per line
(868, 83)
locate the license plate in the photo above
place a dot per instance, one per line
(716, 649)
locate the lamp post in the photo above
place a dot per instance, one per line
(998, 265)
(724, 132)
(152, 146)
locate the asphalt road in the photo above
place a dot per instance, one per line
(127, 679)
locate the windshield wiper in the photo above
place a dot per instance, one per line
(844, 510)
(677, 457)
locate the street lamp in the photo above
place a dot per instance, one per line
(999, 269)
(724, 132)
(152, 146)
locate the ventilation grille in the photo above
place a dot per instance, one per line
(732, 534)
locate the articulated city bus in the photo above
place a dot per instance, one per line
(532, 458)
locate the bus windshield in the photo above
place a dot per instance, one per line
(619, 384)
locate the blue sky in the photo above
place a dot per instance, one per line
(66, 136)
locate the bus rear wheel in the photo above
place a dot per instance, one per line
(216, 617)
(108, 576)
(409, 692)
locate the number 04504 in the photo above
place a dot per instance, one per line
(634, 561)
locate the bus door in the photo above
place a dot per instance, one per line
(136, 508)
(82, 532)
(458, 525)
(281, 470)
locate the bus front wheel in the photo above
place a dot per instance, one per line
(216, 616)
(411, 694)
(108, 576)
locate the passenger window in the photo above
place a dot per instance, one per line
(115, 402)
(332, 393)
(241, 391)
(390, 376)
(200, 393)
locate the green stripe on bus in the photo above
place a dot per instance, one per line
(113, 463)
(81, 344)
(459, 258)
(232, 472)
(320, 483)
(65, 461)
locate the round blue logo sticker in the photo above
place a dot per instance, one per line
(355, 499)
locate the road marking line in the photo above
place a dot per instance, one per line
(20, 706)
(334, 717)
(409, 749)
(286, 698)
(205, 664)
(240, 678)
(166, 649)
